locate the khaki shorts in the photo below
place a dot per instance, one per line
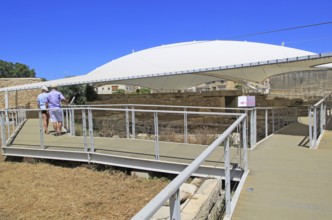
(56, 114)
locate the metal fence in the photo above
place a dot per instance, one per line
(318, 117)
(262, 121)
(87, 123)
(171, 191)
(11, 121)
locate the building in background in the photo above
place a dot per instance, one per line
(210, 86)
(111, 88)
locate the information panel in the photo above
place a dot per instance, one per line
(246, 101)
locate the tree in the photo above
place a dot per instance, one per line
(90, 93)
(82, 93)
(15, 70)
(145, 90)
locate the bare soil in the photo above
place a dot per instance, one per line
(46, 191)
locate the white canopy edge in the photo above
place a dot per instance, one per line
(256, 71)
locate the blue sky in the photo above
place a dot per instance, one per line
(61, 38)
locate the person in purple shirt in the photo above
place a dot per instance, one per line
(41, 100)
(54, 100)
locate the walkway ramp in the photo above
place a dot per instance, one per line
(287, 180)
(123, 152)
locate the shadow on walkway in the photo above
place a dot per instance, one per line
(297, 129)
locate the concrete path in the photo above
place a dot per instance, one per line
(287, 180)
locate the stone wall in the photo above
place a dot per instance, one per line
(210, 99)
(19, 98)
(307, 85)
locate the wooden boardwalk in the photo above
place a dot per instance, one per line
(287, 180)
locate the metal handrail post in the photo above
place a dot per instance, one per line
(3, 130)
(156, 136)
(92, 147)
(247, 126)
(245, 147)
(6, 106)
(13, 121)
(322, 118)
(273, 121)
(127, 122)
(255, 126)
(25, 114)
(185, 129)
(315, 127)
(227, 177)
(237, 142)
(16, 117)
(310, 120)
(84, 130)
(21, 116)
(70, 116)
(41, 132)
(266, 122)
(252, 128)
(133, 122)
(174, 206)
(8, 122)
(63, 116)
(67, 119)
(72, 122)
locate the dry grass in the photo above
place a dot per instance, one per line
(45, 191)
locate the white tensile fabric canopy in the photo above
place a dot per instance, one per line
(184, 65)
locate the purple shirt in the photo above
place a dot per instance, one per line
(54, 99)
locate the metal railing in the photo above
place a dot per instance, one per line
(275, 118)
(251, 112)
(272, 119)
(11, 121)
(83, 117)
(318, 114)
(243, 122)
(171, 191)
(131, 119)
